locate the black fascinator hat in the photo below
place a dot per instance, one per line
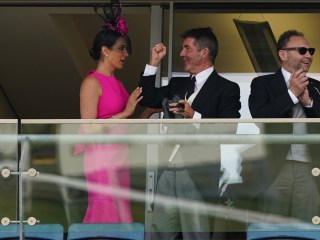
(111, 15)
(114, 27)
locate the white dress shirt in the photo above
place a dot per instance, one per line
(297, 152)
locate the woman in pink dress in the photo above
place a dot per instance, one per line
(102, 96)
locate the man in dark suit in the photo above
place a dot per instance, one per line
(191, 172)
(291, 190)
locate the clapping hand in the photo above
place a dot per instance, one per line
(298, 82)
(304, 98)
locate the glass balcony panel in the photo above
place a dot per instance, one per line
(8, 168)
(214, 173)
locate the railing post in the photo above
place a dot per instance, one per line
(25, 155)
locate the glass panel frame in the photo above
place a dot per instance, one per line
(9, 170)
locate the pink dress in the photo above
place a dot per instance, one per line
(106, 166)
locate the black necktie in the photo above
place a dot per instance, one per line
(191, 86)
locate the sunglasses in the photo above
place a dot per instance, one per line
(301, 50)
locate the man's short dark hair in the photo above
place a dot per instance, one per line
(285, 37)
(204, 38)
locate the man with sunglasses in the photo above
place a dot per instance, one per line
(291, 190)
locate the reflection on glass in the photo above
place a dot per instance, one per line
(290, 189)
(106, 169)
(188, 192)
(212, 175)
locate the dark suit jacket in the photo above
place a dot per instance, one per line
(218, 98)
(269, 98)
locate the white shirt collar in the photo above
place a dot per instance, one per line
(286, 76)
(202, 77)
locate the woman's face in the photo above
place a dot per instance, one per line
(117, 54)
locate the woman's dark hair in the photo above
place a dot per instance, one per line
(204, 38)
(115, 27)
(107, 38)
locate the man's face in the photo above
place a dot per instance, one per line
(292, 60)
(192, 58)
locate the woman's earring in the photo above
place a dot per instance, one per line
(107, 55)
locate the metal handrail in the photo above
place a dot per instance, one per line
(167, 138)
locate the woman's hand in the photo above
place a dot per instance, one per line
(133, 100)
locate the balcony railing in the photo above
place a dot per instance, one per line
(55, 172)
